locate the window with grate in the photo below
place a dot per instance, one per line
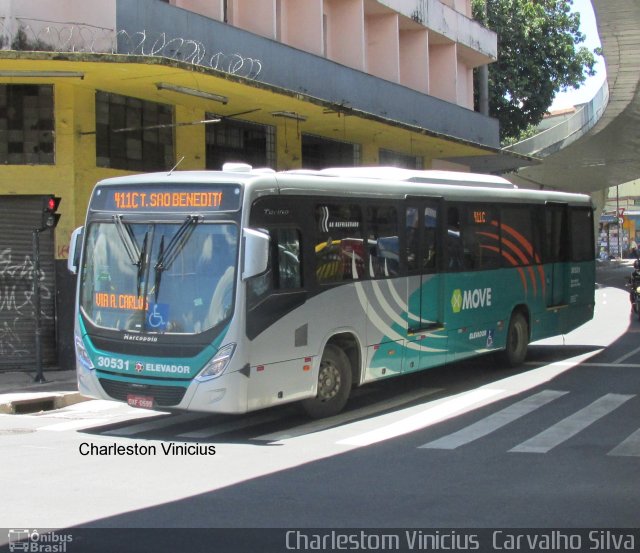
(389, 158)
(27, 134)
(239, 141)
(319, 152)
(133, 134)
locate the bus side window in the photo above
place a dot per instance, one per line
(520, 239)
(422, 235)
(556, 239)
(413, 238)
(339, 245)
(480, 237)
(285, 267)
(287, 241)
(454, 241)
(383, 242)
(430, 235)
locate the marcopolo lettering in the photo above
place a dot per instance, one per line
(140, 338)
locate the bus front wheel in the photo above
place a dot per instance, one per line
(517, 340)
(334, 384)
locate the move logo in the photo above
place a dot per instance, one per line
(470, 299)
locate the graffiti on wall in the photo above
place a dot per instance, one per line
(17, 307)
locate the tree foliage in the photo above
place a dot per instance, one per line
(540, 53)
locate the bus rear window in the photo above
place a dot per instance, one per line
(581, 234)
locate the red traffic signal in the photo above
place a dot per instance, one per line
(49, 216)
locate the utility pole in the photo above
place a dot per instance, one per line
(618, 221)
(49, 220)
(36, 303)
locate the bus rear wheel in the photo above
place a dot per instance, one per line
(517, 340)
(334, 384)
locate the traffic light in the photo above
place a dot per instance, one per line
(49, 216)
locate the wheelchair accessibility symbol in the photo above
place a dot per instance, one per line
(158, 315)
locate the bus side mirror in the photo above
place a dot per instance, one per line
(256, 253)
(75, 249)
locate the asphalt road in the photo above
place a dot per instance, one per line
(554, 444)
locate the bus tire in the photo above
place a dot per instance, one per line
(515, 350)
(334, 384)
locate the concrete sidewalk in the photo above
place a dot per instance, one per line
(20, 393)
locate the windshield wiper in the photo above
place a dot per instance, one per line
(137, 256)
(142, 263)
(178, 241)
(128, 240)
(158, 269)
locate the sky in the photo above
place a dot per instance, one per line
(588, 90)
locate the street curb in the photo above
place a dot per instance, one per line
(42, 401)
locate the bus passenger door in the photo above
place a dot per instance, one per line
(426, 339)
(556, 250)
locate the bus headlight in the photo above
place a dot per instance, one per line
(218, 363)
(82, 355)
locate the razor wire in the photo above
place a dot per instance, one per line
(187, 50)
(18, 34)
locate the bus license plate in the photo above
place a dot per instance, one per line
(145, 402)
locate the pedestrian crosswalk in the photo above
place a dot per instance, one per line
(494, 422)
(572, 425)
(566, 415)
(629, 447)
(552, 437)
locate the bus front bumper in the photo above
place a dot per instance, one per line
(225, 394)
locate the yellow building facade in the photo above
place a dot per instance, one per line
(71, 118)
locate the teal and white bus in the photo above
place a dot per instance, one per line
(230, 291)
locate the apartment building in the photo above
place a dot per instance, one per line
(91, 89)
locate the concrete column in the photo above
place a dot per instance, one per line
(383, 46)
(301, 23)
(443, 67)
(257, 16)
(599, 199)
(345, 32)
(414, 60)
(190, 139)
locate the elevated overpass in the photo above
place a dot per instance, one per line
(599, 146)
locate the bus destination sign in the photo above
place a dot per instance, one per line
(161, 198)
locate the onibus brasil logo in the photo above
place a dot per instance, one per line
(470, 299)
(37, 542)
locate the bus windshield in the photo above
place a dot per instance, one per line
(159, 277)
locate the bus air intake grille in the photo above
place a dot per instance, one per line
(163, 396)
